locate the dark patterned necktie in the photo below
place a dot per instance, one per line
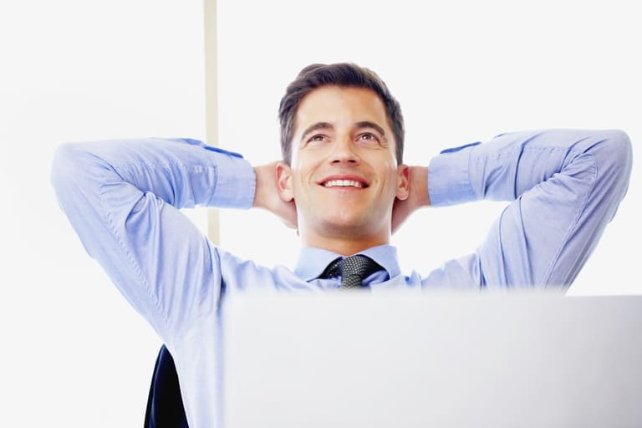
(352, 270)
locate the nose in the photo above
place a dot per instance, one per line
(344, 152)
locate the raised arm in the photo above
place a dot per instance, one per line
(122, 198)
(565, 186)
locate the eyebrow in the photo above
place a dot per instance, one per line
(358, 125)
(314, 127)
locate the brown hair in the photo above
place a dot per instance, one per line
(342, 74)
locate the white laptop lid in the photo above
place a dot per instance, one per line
(360, 360)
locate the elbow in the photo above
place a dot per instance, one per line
(617, 157)
(64, 167)
(619, 144)
(612, 157)
(72, 170)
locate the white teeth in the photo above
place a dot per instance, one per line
(343, 183)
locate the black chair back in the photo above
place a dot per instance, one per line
(165, 404)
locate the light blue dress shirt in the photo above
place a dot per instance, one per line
(123, 200)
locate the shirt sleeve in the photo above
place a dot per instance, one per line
(123, 199)
(564, 186)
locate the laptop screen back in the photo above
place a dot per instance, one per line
(398, 360)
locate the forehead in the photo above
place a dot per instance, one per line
(339, 106)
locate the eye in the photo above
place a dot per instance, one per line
(318, 138)
(368, 138)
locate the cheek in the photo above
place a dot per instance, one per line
(303, 169)
(387, 169)
(300, 181)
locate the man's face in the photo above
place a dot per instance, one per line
(344, 175)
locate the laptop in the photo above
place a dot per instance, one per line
(402, 360)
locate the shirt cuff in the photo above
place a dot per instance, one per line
(449, 178)
(235, 182)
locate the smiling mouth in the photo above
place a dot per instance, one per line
(344, 183)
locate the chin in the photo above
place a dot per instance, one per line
(356, 226)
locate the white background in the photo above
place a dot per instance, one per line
(73, 353)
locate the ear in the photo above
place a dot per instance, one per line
(284, 181)
(403, 182)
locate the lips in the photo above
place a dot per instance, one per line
(344, 182)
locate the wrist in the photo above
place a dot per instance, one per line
(258, 187)
(265, 178)
(419, 185)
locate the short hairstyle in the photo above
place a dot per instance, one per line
(341, 74)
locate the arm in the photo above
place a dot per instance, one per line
(122, 198)
(564, 187)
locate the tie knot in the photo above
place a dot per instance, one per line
(352, 270)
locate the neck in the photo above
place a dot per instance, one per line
(344, 245)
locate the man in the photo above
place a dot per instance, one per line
(342, 183)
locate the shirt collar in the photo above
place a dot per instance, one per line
(313, 261)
